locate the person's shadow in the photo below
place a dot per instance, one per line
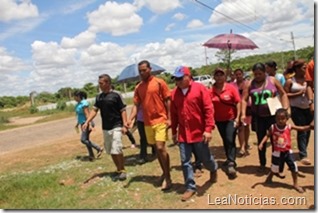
(98, 175)
(274, 184)
(155, 181)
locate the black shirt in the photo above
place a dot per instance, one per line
(111, 106)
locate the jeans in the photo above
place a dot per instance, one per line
(263, 124)
(228, 134)
(302, 117)
(143, 140)
(89, 145)
(203, 153)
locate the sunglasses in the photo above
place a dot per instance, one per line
(178, 79)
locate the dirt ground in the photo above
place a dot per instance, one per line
(247, 191)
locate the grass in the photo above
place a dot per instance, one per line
(69, 183)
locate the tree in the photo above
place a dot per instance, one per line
(90, 89)
(65, 93)
(225, 56)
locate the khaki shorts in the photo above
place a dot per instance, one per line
(113, 141)
(157, 132)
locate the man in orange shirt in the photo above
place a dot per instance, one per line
(153, 94)
(310, 78)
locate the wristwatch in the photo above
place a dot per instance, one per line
(310, 102)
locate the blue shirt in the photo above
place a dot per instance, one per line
(280, 77)
(79, 109)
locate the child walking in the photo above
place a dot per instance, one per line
(280, 132)
(82, 113)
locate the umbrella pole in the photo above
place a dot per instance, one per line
(125, 89)
(229, 64)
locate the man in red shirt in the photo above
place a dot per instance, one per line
(191, 123)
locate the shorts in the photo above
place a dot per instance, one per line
(279, 158)
(157, 132)
(113, 141)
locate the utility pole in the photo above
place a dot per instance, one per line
(206, 57)
(293, 41)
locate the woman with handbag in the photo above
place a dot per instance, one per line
(302, 106)
(259, 89)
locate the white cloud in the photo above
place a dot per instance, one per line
(195, 23)
(274, 14)
(170, 26)
(239, 10)
(78, 5)
(158, 7)
(12, 10)
(82, 40)
(51, 54)
(10, 64)
(179, 16)
(116, 19)
(21, 27)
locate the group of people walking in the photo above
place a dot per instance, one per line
(192, 112)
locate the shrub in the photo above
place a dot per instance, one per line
(33, 109)
(61, 105)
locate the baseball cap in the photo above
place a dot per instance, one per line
(181, 71)
(218, 70)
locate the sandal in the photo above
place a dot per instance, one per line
(241, 153)
(100, 152)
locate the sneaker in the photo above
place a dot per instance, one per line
(213, 176)
(122, 176)
(100, 152)
(231, 171)
(187, 195)
(119, 176)
(141, 161)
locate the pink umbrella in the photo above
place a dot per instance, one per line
(231, 42)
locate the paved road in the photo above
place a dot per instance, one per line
(38, 134)
(42, 133)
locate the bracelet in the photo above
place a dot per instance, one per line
(310, 102)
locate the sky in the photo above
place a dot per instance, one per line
(48, 45)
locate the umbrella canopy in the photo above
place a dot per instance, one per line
(230, 41)
(131, 73)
